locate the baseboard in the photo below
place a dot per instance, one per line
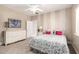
(76, 50)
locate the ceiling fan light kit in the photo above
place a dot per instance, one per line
(34, 9)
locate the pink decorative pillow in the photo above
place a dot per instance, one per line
(47, 32)
(58, 32)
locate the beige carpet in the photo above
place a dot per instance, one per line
(16, 48)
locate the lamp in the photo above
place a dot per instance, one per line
(40, 29)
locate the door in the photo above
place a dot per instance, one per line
(31, 28)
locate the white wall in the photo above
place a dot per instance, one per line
(75, 35)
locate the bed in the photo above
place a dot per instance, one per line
(51, 44)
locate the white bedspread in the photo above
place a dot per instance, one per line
(51, 44)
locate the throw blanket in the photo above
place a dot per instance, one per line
(51, 44)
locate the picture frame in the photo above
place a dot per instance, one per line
(14, 23)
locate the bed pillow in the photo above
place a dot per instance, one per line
(47, 32)
(58, 32)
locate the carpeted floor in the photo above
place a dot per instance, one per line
(22, 47)
(72, 51)
(16, 48)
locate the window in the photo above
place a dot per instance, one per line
(77, 20)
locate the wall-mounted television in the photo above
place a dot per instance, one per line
(14, 23)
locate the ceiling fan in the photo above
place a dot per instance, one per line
(34, 9)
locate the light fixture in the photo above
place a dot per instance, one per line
(34, 9)
(40, 29)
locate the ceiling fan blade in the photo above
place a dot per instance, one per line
(33, 5)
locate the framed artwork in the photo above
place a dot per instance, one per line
(13, 23)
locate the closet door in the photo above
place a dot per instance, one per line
(31, 28)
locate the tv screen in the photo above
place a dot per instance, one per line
(13, 23)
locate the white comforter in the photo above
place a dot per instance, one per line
(51, 44)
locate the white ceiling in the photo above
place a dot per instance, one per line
(45, 7)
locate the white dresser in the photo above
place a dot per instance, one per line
(14, 35)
